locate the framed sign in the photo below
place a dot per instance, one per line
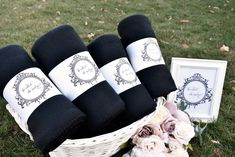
(199, 86)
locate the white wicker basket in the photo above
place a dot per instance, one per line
(99, 146)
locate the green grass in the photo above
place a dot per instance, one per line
(210, 25)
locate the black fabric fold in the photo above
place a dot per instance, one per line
(100, 102)
(139, 103)
(157, 79)
(50, 123)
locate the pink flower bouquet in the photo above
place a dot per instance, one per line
(166, 135)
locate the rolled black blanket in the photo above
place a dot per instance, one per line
(111, 58)
(64, 57)
(49, 116)
(139, 39)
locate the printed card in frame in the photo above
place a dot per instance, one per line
(199, 85)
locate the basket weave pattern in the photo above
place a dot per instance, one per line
(98, 146)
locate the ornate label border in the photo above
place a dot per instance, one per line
(21, 100)
(145, 55)
(74, 78)
(118, 78)
(196, 77)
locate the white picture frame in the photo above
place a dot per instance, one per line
(199, 85)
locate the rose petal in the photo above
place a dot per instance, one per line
(169, 124)
(171, 106)
(161, 115)
(182, 116)
(152, 144)
(183, 132)
(174, 144)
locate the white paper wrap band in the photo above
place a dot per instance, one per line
(120, 75)
(76, 74)
(26, 91)
(144, 53)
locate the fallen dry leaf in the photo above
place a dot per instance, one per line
(99, 30)
(184, 21)
(169, 18)
(101, 22)
(90, 35)
(215, 141)
(232, 81)
(217, 152)
(224, 48)
(212, 11)
(185, 46)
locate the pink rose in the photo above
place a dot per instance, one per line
(183, 132)
(169, 125)
(182, 116)
(146, 131)
(138, 152)
(152, 145)
(174, 144)
(178, 114)
(172, 107)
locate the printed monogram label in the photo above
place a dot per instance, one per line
(125, 74)
(76, 74)
(83, 70)
(151, 51)
(30, 88)
(144, 53)
(194, 91)
(120, 75)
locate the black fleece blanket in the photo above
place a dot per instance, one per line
(99, 101)
(111, 58)
(156, 78)
(55, 118)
